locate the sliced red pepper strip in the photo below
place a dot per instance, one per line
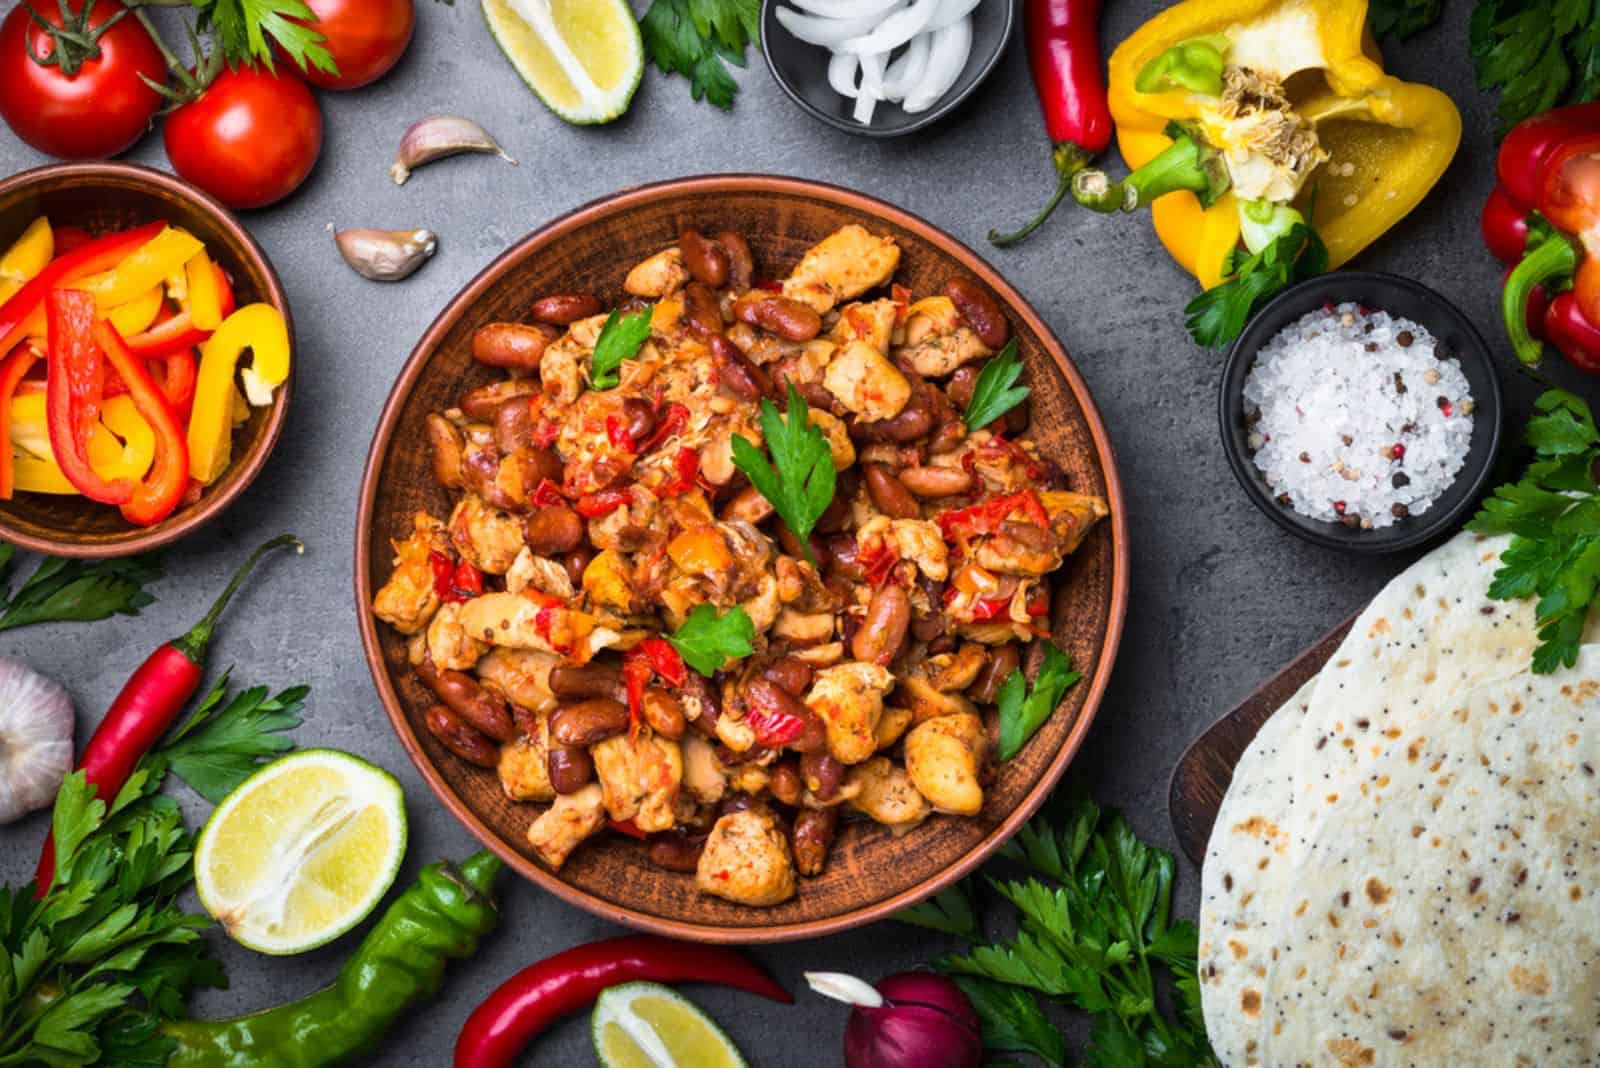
(687, 465)
(636, 672)
(595, 505)
(774, 728)
(158, 495)
(182, 370)
(986, 516)
(547, 495)
(618, 434)
(12, 370)
(665, 660)
(674, 417)
(74, 388)
(98, 255)
(627, 827)
(174, 333)
(443, 570)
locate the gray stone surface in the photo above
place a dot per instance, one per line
(1221, 597)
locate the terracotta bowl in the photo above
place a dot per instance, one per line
(110, 196)
(870, 873)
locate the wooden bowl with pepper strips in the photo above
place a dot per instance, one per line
(870, 872)
(52, 221)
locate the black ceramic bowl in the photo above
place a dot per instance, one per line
(1399, 297)
(801, 71)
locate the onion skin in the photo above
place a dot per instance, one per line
(925, 1022)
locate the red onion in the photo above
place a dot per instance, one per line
(910, 1020)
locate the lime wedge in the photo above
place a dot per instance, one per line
(583, 58)
(647, 1025)
(301, 851)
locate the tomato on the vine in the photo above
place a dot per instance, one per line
(71, 86)
(365, 37)
(249, 139)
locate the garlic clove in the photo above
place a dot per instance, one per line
(36, 725)
(386, 255)
(439, 136)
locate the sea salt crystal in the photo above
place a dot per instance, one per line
(1338, 386)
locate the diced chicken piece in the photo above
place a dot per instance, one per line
(746, 860)
(704, 777)
(524, 621)
(539, 573)
(608, 581)
(803, 628)
(561, 827)
(640, 776)
(842, 266)
(524, 768)
(871, 322)
(886, 795)
(866, 383)
(408, 600)
(891, 725)
(522, 675)
(838, 435)
(953, 672)
(487, 537)
(926, 702)
(659, 276)
(943, 756)
(736, 734)
(848, 698)
(1072, 516)
(763, 607)
(937, 339)
(917, 540)
(450, 646)
(748, 778)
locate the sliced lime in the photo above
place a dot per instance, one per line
(583, 58)
(647, 1025)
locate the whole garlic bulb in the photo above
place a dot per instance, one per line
(36, 723)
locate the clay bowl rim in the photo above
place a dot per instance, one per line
(620, 203)
(54, 176)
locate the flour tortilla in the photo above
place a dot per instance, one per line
(1447, 912)
(1244, 881)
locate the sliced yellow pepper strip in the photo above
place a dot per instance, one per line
(137, 315)
(35, 465)
(26, 257)
(205, 296)
(148, 266)
(259, 328)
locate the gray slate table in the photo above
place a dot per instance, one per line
(1221, 597)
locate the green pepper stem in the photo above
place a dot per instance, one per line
(1069, 159)
(193, 644)
(1555, 257)
(1184, 165)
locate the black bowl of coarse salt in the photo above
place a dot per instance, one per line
(1361, 411)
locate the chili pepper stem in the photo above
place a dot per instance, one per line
(1556, 256)
(1069, 159)
(1183, 165)
(193, 644)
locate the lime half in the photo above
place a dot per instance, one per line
(301, 851)
(647, 1025)
(584, 58)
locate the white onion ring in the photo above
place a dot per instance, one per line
(895, 30)
(842, 70)
(823, 32)
(951, 12)
(907, 71)
(948, 58)
(845, 9)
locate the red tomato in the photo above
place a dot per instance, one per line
(98, 110)
(365, 37)
(250, 139)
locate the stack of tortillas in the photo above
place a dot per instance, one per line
(1406, 868)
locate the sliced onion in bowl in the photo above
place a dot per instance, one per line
(946, 60)
(845, 9)
(842, 71)
(907, 70)
(951, 12)
(823, 32)
(896, 29)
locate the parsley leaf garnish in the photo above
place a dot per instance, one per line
(1219, 315)
(620, 339)
(1538, 53)
(1402, 18)
(248, 29)
(1023, 711)
(950, 911)
(220, 745)
(62, 590)
(694, 37)
(707, 640)
(799, 480)
(1553, 515)
(996, 392)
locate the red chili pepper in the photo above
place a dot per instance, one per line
(74, 387)
(1063, 39)
(618, 434)
(12, 370)
(595, 505)
(535, 998)
(98, 255)
(149, 702)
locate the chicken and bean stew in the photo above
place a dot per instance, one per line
(665, 606)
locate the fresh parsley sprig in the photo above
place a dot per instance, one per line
(1553, 515)
(620, 339)
(996, 392)
(1538, 53)
(248, 30)
(221, 744)
(1219, 315)
(799, 480)
(61, 590)
(1023, 711)
(707, 640)
(1402, 18)
(694, 38)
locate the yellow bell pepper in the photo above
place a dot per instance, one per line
(1387, 141)
(26, 257)
(121, 445)
(148, 266)
(205, 295)
(261, 329)
(138, 314)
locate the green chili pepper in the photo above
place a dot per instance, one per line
(1195, 65)
(1189, 163)
(400, 962)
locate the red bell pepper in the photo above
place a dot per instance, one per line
(12, 370)
(595, 505)
(454, 583)
(74, 388)
(653, 656)
(98, 255)
(158, 495)
(176, 333)
(1545, 218)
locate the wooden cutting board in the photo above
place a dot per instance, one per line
(1206, 767)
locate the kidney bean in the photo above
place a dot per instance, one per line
(545, 464)
(958, 388)
(676, 851)
(483, 403)
(582, 723)
(456, 735)
(784, 782)
(516, 345)
(564, 309)
(570, 770)
(980, 310)
(842, 558)
(735, 372)
(741, 264)
(663, 713)
(791, 673)
(1001, 662)
(762, 694)
(812, 836)
(484, 710)
(823, 773)
(930, 625)
(641, 418)
(883, 630)
(792, 546)
(935, 481)
(444, 442)
(951, 433)
(1017, 419)
(513, 425)
(748, 505)
(552, 530)
(697, 688)
(912, 422)
(575, 562)
(704, 259)
(701, 310)
(735, 803)
(594, 679)
(787, 318)
(889, 495)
